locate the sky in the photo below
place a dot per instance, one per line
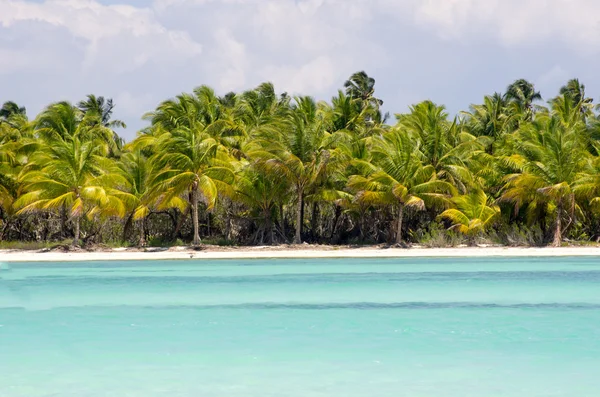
(142, 52)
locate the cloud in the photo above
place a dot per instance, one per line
(141, 52)
(299, 45)
(313, 77)
(119, 37)
(514, 22)
(231, 62)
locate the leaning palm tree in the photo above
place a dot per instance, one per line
(399, 178)
(474, 213)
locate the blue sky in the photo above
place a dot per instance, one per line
(141, 52)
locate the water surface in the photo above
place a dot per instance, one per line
(322, 327)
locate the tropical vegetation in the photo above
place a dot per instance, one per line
(258, 167)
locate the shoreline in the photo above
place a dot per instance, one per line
(290, 252)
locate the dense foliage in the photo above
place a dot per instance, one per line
(262, 168)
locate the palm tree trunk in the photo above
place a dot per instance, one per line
(142, 240)
(182, 216)
(127, 227)
(268, 226)
(77, 230)
(338, 212)
(314, 220)
(282, 220)
(63, 222)
(399, 225)
(195, 215)
(228, 226)
(558, 226)
(299, 217)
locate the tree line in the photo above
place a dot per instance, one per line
(258, 167)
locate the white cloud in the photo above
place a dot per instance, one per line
(555, 75)
(314, 77)
(141, 52)
(232, 61)
(514, 22)
(119, 37)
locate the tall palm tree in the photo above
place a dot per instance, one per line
(192, 163)
(100, 110)
(201, 110)
(10, 109)
(550, 155)
(69, 173)
(443, 144)
(575, 92)
(522, 94)
(361, 88)
(301, 153)
(262, 113)
(491, 118)
(62, 121)
(399, 178)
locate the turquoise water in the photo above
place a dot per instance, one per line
(302, 328)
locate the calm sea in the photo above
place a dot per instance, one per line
(511, 327)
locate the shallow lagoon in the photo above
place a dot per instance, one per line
(319, 327)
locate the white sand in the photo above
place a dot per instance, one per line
(307, 252)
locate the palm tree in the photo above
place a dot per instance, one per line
(10, 109)
(575, 92)
(522, 94)
(399, 178)
(490, 118)
(550, 155)
(301, 153)
(71, 174)
(62, 121)
(192, 163)
(100, 110)
(136, 190)
(474, 213)
(361, 88)
(9, 185)
(443, 144)
(203, 110)
(191, 138)
(261, 193)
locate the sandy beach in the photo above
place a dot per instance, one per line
(307, 251)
